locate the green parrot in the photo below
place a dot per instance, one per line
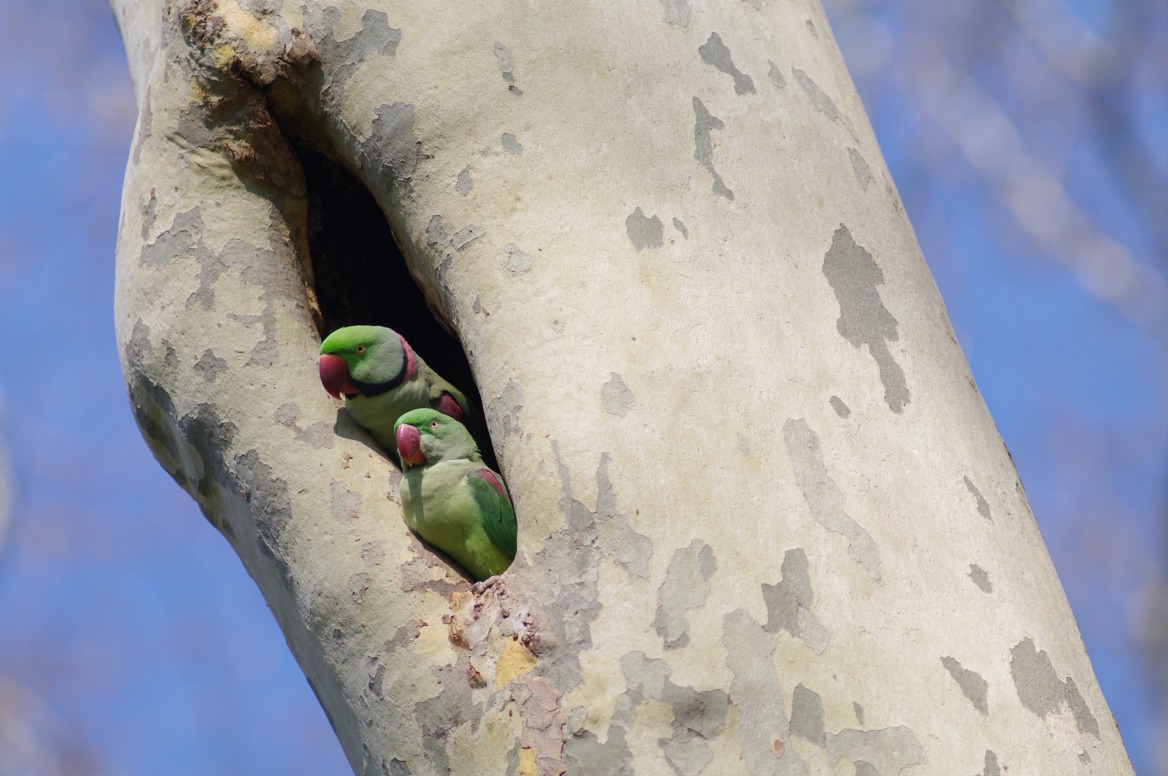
(381, 378)
(450, 498)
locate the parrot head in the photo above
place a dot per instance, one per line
(427, 436)
(365, 360)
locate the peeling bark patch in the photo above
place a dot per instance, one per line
(819, 98)
(615, 396)
(789, 603)
(270, 503)
(425, 572)
(503, 54)
(392, 150)
(585, 755)
(991, 764)
(676, 12)
(824, 496)
(503, 413)
(183, 238)
(576, 552)
(704, 145)
(980, 578)
(776, 76)
(763, 728)
(320, 435)
(345, 503)
(1040, 689)
(971, 683)
(715, 53)
(518, 262)
(466, 235)
(860, 167)
(358, 585)
(680, 227)
(697, 715)
(807, 715)
(436, 234)
(840, 408)
(644, 232)
(209, 366)
(465, 182)
(888, 750)
(854, 275)
(441, 714)
(983, 506)
(342, 58)
(686, 586)
(511, 145)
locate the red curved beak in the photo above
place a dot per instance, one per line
(409, 446)
(334, 376)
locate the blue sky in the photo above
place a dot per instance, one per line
(150, 648)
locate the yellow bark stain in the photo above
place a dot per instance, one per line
(527, 762)
(515, 661)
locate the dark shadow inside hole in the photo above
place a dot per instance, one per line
(361, 276)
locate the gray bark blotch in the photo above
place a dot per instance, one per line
(697, 715)
(980, 578)
(644, 232)
(438, 716)
(789, 603)
(824, 496)
(576, 552)
(704, 145)
(991, 764)
(818, 97)
(358, 585)
(854, 275)
(183, 238)
(972, 684)
(261, 7)
(209, 366)
(503, 54)
(345, 503)
(436, 234)
(465, 182)
(503, 413)
(776, 76)
(341, 59)
(983, 506)
(1041, 691)
(840, 408)
(715, 53)
(686, 586)
(865, 768)
(763, 727)
(807, 715)
(860, 167)
(680, 226)
(393, 149)
(676, 12)
(615, 396)
(888, 750)
(585, 754)
(859, 712)
(511, 145)
(466, 235)
(518, 261)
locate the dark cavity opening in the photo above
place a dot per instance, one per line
(361, 276)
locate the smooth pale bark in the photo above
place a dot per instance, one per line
(767, 525)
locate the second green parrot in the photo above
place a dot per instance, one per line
(450, 498)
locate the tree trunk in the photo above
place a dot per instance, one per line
(767, 525)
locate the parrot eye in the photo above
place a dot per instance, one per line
(360, 349)
(434, 423)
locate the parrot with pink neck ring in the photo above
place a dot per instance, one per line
(382, 378)
(450, 498)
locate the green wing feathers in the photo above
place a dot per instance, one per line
(495, 510)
